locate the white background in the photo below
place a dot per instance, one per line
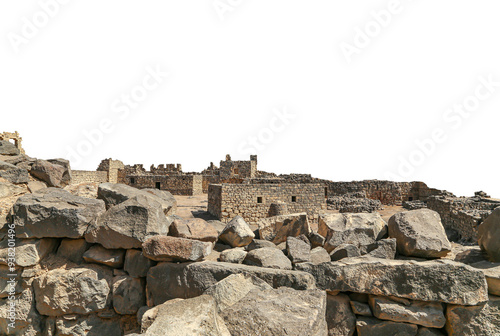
(232, 64)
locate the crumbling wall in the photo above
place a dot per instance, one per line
(86, 176)
(15, 137)
(111, 167)
(187, 185)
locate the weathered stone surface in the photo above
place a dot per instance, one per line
(298, 251)
(110, 257)
(259, 243)
(488, 234)
(8, 148)
(34, 186)
(129, 224)
(128, 294)
(480, 320)
(235, 255)
(28, 321)
(73, 249)
(13, 174)
(436, 280)
(230, 290)
(8, 189)
(146, 316)
(384, 249)
(168, 281)
(316, 239)
(427, 314)
(282, 311)
(137, 264)
(196, 316)
(339, 316)
(369, 326)
(165, 248)
(55, 213)
(217, 225)
(268, 257)
(419, 233)
(50, 173)
(344, 251)
(351, 228)
(360, 308)
(237, 233)
(193, 228)
(319, 255)
(74, 291)
(91, 325)
(28, 252)
(429, 332)
(277, 228)
(66, 178)
(166, 199)
(492, 272)
(6, 287)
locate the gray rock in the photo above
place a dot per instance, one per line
(384, 249)
(369, 326)
(29, 252)
(193, 228)
(237, 233)
(259, 243)
(419, 233)
(128, 294)
(6, 277)
(50, 173)
(168, 281)
(480, 320)
(66, 178)
(429, 332)
(488, 234)
(437, 280)
(268, 257)
(73, 249)
(277, 228)
(13, 174)
(110, 257)
(55, 213)
(282, 311)
(137, 264)
(8, 189)
(492, 272)
(217, 225)
(129, 224)
(319, 255)
(146, 316)
(8, 148)
(360, 308)
(339, 316)
(297, 250)
(166, 199)
(34, 186)
(91, 325)
(351, 228)
(316, 239)
(344, 251)
(165, 248)
(27, 320)
(235, 255)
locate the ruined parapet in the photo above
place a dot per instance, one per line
(16, 139)
(111, 167)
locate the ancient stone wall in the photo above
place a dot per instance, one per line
(111, 167)
(253, 201)
(187, 185)
(86, 176)
(15, 137)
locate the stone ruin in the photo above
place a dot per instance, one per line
(14, 138)
(123, 261)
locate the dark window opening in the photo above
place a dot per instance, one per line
(410, 198)
(259, 199)
(236, 171)
(326, 192)
(158, 185)
(132, 180)
(294, 198)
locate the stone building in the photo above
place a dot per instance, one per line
(15, 138)
(107, 171)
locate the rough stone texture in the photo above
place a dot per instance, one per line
(489, 235)
(492, 272)
(74, 291)
(419, 233)
(8, 189)
(196, 316)
(73, 249)
(339, 316)
(110, 257)
(268, 257)
(129, 224)
(437, 280)
(29, 252)
(347, 228)
(193, 228)
(66, 178)
(360, 308)
(297, 250)
(147, 315)
(168, 281)
(481, 320)
(319, 255)
(276, 229)
(8, 148)
(165, 248)
(53, 212)
(282, 311)
(128, 294)
(235, 255)
(28, 321)
(259, 243)
(316, 239)
(166, 199)
(384, 248)
(369, 326)
(429, 332)
(90, 325)
(13, 173)
(344, 251)
(427, 314)
(230, 290)
(50, 173)
(5, 285)
(137, 264)
(237, 233)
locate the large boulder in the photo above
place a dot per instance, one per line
(282, 311)
(137, 264)
(298, 251)
(480, 320)
(268, 257)
(48, 172)
(129, 224)
(28, 252)
(193, 228)
(66, 178)
(166, 248)
(437, 280)
(351, 228)
(339, 315)
(492, 272)
(128, 294)
(91, 325)
(419, 233)
(168, 281)
(235, 255)
(237, 233)
(8, 148)
(13, 174)
(75, 291)
(488, 234)
(166, 199)
(55, 213)
(196, 316)
(277, 228)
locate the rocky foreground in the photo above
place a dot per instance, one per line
(123, 263)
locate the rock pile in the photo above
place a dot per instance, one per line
(353, 202)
